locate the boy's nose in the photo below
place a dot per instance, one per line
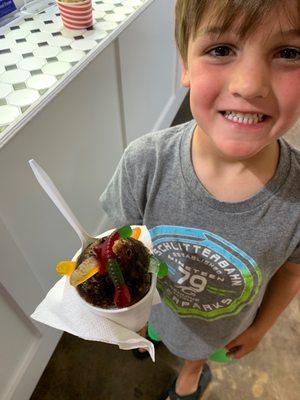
(250, 80)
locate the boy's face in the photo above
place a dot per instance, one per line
(245, 94)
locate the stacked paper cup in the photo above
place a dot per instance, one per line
(76, 14)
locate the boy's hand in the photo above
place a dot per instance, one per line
(143, 331)
(244, 343)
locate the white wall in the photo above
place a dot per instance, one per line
(150, 71)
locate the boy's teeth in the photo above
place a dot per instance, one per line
(244, 118)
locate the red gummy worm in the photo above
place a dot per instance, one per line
(108, 252)
(104, 252)
(98, 252)
(122, 297)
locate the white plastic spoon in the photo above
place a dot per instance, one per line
(60, 203)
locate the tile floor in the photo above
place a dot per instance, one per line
(85, 370)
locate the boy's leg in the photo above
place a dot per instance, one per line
(188, 378)
(143, 333)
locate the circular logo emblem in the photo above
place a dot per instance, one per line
(208, 277)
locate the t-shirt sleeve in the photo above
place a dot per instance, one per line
(121, 200)
(295, 256)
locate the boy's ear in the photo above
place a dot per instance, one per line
(185, 76)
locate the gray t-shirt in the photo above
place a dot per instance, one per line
(220, 255)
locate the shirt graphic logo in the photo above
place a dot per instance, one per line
(208, 277)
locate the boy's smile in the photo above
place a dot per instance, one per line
(244, 94)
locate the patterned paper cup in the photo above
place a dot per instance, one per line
(77, 15)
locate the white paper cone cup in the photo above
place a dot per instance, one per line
(134, 317)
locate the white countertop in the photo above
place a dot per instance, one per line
(38, 57)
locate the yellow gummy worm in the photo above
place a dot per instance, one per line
(136, 233)
(85, 270)
(65, 267)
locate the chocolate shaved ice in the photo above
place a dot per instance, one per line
(133, 258)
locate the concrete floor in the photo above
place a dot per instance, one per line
(86, 370)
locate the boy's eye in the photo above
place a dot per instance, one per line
(220, 51)
(289, 54)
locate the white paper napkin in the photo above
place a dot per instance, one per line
(63, 310)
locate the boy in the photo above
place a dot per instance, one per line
(221, 194)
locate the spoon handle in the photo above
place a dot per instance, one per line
(58, 200)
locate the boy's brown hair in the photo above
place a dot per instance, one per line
(223, 13)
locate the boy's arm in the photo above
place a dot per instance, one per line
(281, 290)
